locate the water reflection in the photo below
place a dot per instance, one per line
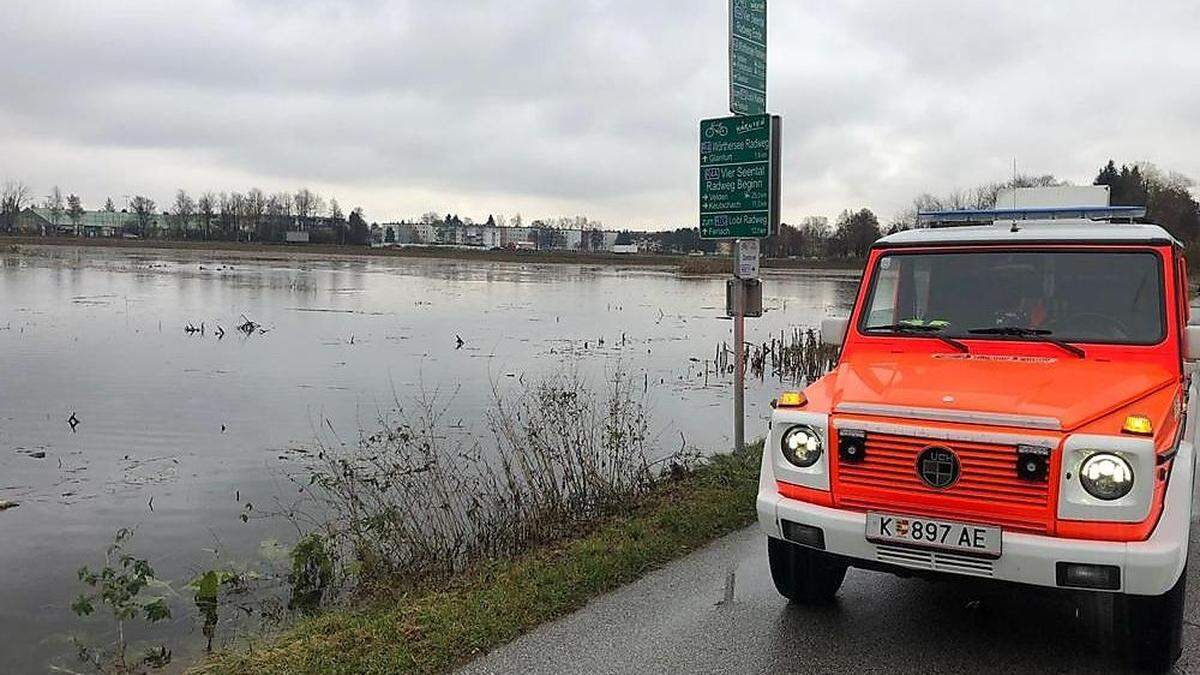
(201, 425)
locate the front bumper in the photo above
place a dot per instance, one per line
(1149, 567)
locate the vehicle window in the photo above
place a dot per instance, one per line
(1077, 296)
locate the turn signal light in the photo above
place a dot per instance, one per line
(791, 399)
(1138, 424)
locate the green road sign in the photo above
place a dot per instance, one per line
(739, 176)
(748, 57)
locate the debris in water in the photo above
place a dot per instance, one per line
(40, 454)
(458, 341)
(249, 327)
(219, 332)
(222, 428)
(73, 421)
(5, 505)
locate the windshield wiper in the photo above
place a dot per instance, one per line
(922, 328)
(1038, 334)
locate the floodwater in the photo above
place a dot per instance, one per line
(178, 432)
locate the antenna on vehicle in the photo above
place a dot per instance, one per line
(1014, 227)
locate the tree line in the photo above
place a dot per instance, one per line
(225, 216)
(1165, 194)
(257, 216)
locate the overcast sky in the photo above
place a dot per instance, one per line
(563, 107)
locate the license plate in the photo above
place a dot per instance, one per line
(929, 533)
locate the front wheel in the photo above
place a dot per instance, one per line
(1151, 627)
(804, 575)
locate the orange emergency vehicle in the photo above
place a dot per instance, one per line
(1012, 401)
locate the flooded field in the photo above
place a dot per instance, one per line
(129, 397)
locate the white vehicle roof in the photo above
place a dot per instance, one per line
(1080, 231)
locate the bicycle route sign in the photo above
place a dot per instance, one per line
(748, 57)
(739, 176)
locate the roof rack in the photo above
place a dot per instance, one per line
(935, 218)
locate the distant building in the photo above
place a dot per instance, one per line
(40, 221)
(490, 236)
(515, 237)
(424, 233)
(573, 240)
(400, 233)
(454, 231)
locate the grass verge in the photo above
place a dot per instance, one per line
(434, 628)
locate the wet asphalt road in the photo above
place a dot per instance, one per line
(676, 620)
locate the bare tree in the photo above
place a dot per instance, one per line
(981, 197)
(237, 209)
(335, 210)
(14, 197)
(308, 204)
(516, 220)
(275, 207)
(226, 210)
(109, 207)
(207, 207)
(75, 213)
(183, 210)
(254, 208)
(54, 204)
(431, 218)
(144, 209)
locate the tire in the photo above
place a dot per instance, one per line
(804, 575)
(1150, 627)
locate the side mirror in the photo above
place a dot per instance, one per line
(833, 331)
(1191, 343)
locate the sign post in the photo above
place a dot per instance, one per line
(745, 273)
(748, 57)
(739, 180)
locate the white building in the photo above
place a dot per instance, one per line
(514, 235)
(572, 240)
(491, 236)
(424, 233)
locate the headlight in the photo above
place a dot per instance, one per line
(1106, 476)
(801, 445)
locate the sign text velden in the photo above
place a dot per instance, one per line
(739, 169)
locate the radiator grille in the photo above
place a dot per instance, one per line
(988, 490)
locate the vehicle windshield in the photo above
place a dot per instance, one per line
(1076, 296)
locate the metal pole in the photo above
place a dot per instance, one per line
(739, 367)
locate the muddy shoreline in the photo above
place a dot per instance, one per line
(335, 252)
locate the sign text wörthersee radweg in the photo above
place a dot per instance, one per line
(739, 176)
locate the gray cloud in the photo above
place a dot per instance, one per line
(584, 107)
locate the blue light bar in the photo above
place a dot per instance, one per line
(1032, 213)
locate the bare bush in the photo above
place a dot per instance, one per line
(413, 501)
